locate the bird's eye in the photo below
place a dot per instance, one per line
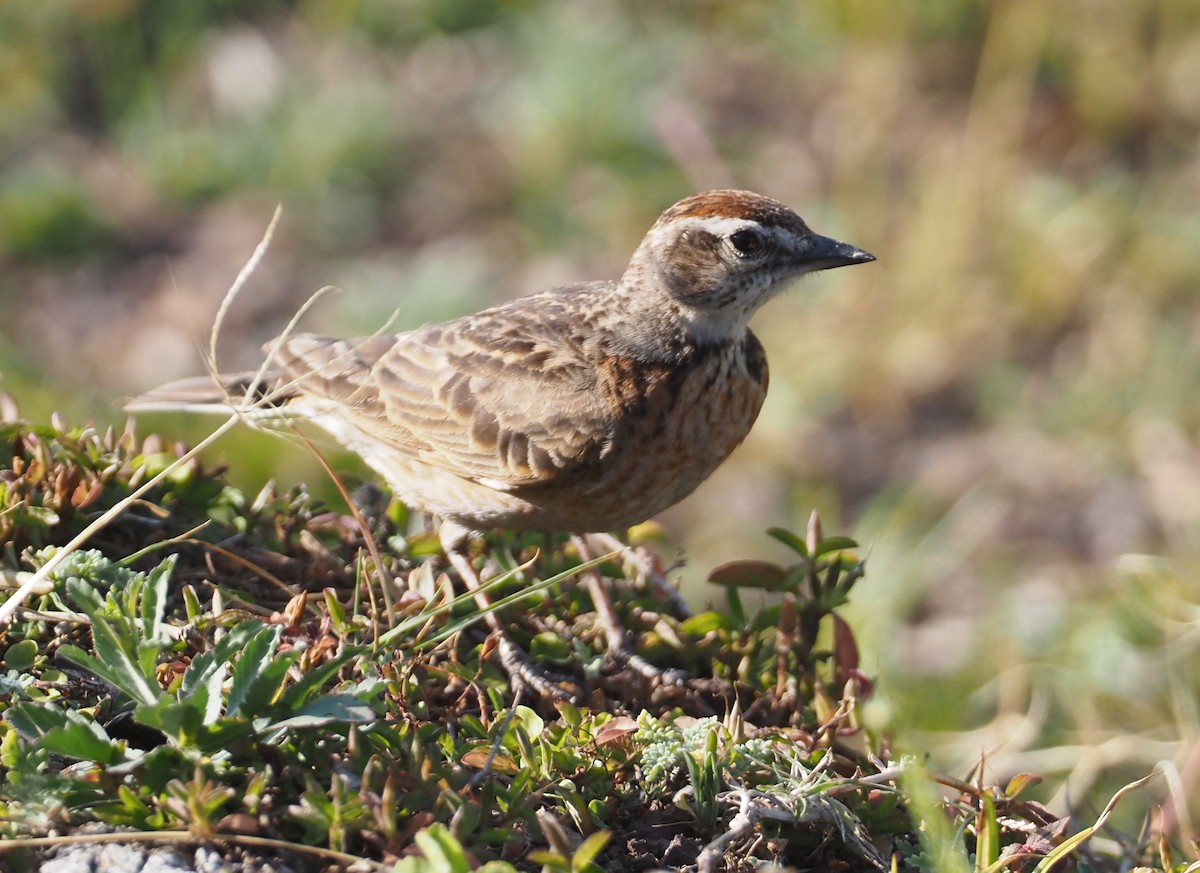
(747, 242)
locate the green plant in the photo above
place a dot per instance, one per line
(764, 785)
(445, 854)
(216, 707)
(213, 691)
(799, 647)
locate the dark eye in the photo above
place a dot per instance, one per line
(747, 242)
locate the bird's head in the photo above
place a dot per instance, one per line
(720, 255)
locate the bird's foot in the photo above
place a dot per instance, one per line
(652, 673)
(513, 659)
(525, 674)
(615, 634)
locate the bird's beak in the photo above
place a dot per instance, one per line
(825, 254)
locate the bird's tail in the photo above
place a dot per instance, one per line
(251, 393)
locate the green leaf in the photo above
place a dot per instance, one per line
(202, 697)
(588, 850)
(209, 669)
(442, 850)
(117, 649)
(737, 611)
(191, 603)
(204, 676)
(208, 697)
(263, 688)
(707, 622)
(528, 719)
(835, 544)
(159, 766)
(83, 741)
(35, 720)
(987, 828)
(89, 601)
(337, 612)
(184, 722)
(253, 667)
(180, 721)
(115, 666)
(21, 656)
(64, 732)
(154, 602)
(552, 862)
(32, 516)
(314, 680)
(326, 710)
(789, 539)
(1018, 783)
(550, 647)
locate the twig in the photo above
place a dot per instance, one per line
(242, 277)
(188, 838)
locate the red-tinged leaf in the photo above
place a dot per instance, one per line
(616, 731)
(294, 611)
(749, 574)
(477, 759)
(789, 615)
(864, 684)
(845, 650)
(1039, 815)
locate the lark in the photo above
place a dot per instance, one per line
(588, 407)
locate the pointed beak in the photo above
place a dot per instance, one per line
(825, 254)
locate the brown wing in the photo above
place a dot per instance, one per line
(511, 395)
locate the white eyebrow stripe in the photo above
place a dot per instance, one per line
(721, 226)
(717, 226)
(729, 226)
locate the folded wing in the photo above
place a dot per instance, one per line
(493, 397)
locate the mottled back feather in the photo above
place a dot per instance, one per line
(511, 395)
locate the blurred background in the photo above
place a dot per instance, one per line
(1003, 409)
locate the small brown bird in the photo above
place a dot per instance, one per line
(588, 407)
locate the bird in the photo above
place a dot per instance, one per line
(585, 408)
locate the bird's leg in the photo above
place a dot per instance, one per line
(615, 634)
(635, 557)
(455, 539)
